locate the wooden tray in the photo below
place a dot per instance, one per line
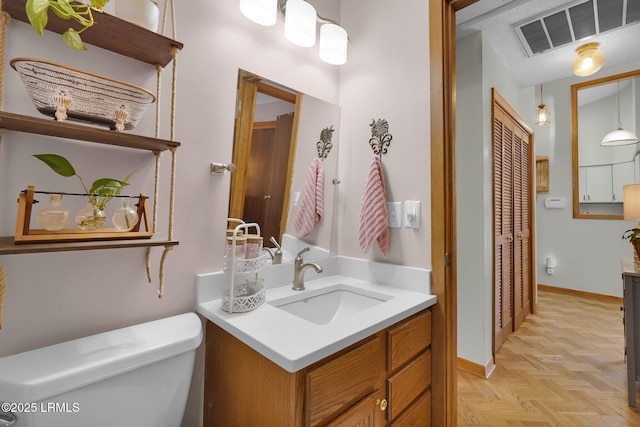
(25, 234)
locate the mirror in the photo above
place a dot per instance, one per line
(599, 173)
(277, 134)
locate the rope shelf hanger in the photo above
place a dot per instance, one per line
(324, 146)
(380, 137)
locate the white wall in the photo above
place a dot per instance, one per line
(478, 70)
(387, 77)
(54, 297)
(587, 251)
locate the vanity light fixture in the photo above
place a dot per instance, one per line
(300, 21)
(619, 136)
(542, 116)
(588, 61)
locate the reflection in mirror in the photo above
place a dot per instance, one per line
(599, 173)
(275, 147)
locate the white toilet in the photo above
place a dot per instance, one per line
(136, 376)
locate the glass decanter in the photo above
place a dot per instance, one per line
(90, 217)
(125, 217)
(54, 217)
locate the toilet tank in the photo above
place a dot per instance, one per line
(136, 376)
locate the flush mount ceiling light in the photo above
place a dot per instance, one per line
(300, 21)
(263, 12)
(588, 61)
(542, 115)
(619, 136)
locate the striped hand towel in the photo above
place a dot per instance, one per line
(310, 203)
(374, 218)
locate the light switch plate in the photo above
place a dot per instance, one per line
(412, 214)
(395, 214)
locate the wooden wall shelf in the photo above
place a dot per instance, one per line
(49, 127)
(7, 247)
(110, 33)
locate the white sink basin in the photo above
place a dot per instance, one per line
(323, 306)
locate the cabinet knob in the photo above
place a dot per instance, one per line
(382, 404)
(267, 196)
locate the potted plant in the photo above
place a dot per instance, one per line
(102, 191)
(633, 235)
(38, 15)
(144, 13)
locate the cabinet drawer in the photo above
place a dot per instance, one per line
(405, 386)
(418, 414)
(408, 339)
(332, 387)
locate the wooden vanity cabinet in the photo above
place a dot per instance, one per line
(383, 380)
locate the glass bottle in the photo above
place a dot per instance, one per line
(54, 217)
(254, 246)
(90, 217)
(125, 217)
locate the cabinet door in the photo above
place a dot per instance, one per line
(623, 174)
(334, 386)
(599, 184)
(366, 413)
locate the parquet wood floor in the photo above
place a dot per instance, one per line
(563, 367)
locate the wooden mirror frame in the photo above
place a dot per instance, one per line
(574, 139)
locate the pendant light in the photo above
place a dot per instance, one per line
(588, 61)
(263, 12)
(542, 116)
(619, 136)
(300, 23)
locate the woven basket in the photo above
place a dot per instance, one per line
(64, 92)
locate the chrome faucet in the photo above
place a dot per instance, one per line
(276, 256)
(299, 268)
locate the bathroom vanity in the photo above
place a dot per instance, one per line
(383, 379)
(353, 348)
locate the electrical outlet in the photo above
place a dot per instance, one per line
(395, 214)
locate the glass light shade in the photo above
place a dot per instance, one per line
(588, 61)
(631, 201)
(300, 23)
(619, 137)
(333, 44)
(263, 12)
(542, 117)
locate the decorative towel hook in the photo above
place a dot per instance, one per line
(380, 136)
(324, 145)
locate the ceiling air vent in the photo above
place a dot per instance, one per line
(577, 21)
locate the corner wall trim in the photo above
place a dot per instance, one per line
(476, 369)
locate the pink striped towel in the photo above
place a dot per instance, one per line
(309, 208)
(374, 217)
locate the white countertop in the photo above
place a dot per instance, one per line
(294, 343)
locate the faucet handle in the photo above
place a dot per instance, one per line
(307, 249)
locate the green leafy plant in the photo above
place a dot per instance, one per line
(38, 15)
(633, 236)
(102, 190)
